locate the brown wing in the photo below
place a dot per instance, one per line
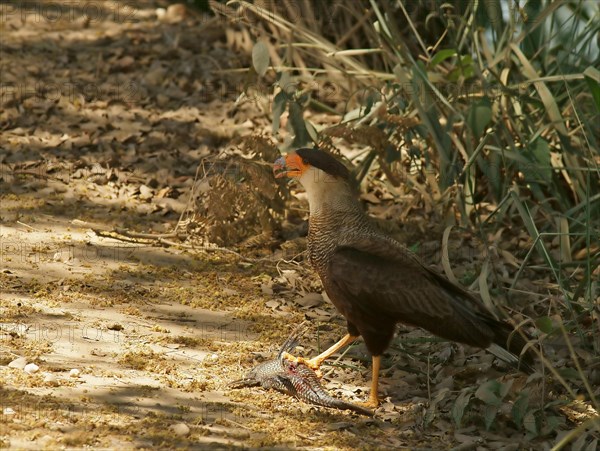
(380, 280)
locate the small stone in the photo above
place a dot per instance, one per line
(160, 13)
(31, 368)
(146, 192)
(174, 13)
(180, 429)
(74, 372)
(50, 379)
(18, 363)
(272, 304)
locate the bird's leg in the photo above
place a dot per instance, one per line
(373, 401)
(316, 362)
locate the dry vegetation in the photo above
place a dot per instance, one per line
(149, 257)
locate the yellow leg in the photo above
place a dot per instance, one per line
(373, 401)
(317, 361)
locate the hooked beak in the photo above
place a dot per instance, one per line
(279, 168)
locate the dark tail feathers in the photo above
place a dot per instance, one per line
(510, 345)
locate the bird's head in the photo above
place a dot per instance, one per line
(324, 178)
(302, 162)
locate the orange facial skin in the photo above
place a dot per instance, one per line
(290, 165)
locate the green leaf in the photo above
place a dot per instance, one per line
(552, 424)
(551, 106)
(542, 167)
(592, 78)
(372, 97)
(431, 410)
(531, 227)
(467, 67)
(284, 80)
(458, 409)
(301, 136)
(530, 422)
(430, 115)
(544, 323)
(487, 392)
(504, 388)
(440, 56)
(312, 131)
(279, 104)
(569, 373)
(464, 69)
(519, 408)
(489, 415)
(479, 116)
(260, 58)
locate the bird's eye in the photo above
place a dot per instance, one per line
(304, 160)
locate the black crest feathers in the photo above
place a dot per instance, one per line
(324, 161)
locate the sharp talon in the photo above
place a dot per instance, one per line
(290, 357)
(313, 364)
(372, 403)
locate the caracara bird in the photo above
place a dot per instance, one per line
(375, 282)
